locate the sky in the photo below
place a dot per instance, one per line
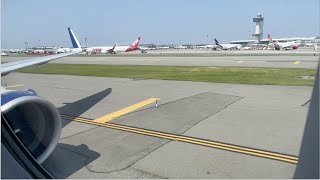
(108, 22)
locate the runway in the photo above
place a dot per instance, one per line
(185, 136)
(240, 61)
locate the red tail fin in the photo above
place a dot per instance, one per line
(135, 45)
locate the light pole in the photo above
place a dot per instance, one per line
(26, 44)
(207, 38)
(85, 42)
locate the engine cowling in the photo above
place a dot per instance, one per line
(35, 121)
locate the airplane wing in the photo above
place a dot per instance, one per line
(9, 67)
(6, 68)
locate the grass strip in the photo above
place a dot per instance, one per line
(234, 75)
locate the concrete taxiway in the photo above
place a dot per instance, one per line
(268, 118)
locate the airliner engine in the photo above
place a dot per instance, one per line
(34, 120)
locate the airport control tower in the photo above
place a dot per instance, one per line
(259, 28)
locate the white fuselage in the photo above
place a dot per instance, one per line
(121, 48)
(101, 49)
(225, 46)
(286, 45)
(146, 48)
(106, 49)
(63, 50)
(162, 48)
(291, 44)
(230, 46)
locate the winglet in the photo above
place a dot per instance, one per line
(74, 40)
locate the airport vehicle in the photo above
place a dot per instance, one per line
(291, 45)
(113, 50)
(31, 125)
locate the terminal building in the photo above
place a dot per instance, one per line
(259, 36)
(302, 40)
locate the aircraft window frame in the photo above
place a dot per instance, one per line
(20, 153)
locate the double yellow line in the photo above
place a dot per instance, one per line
(192, 140)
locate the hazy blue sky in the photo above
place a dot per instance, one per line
(105, 22)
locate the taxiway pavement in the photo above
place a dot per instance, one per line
(266, 117)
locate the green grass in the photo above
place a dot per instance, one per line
(235, 75)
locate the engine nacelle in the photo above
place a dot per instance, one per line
(34, 120)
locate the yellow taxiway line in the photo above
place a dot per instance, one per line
(192, 140)
(12, 86)
(124, 111)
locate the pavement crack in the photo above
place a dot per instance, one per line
(240, 98)
(187, 128)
